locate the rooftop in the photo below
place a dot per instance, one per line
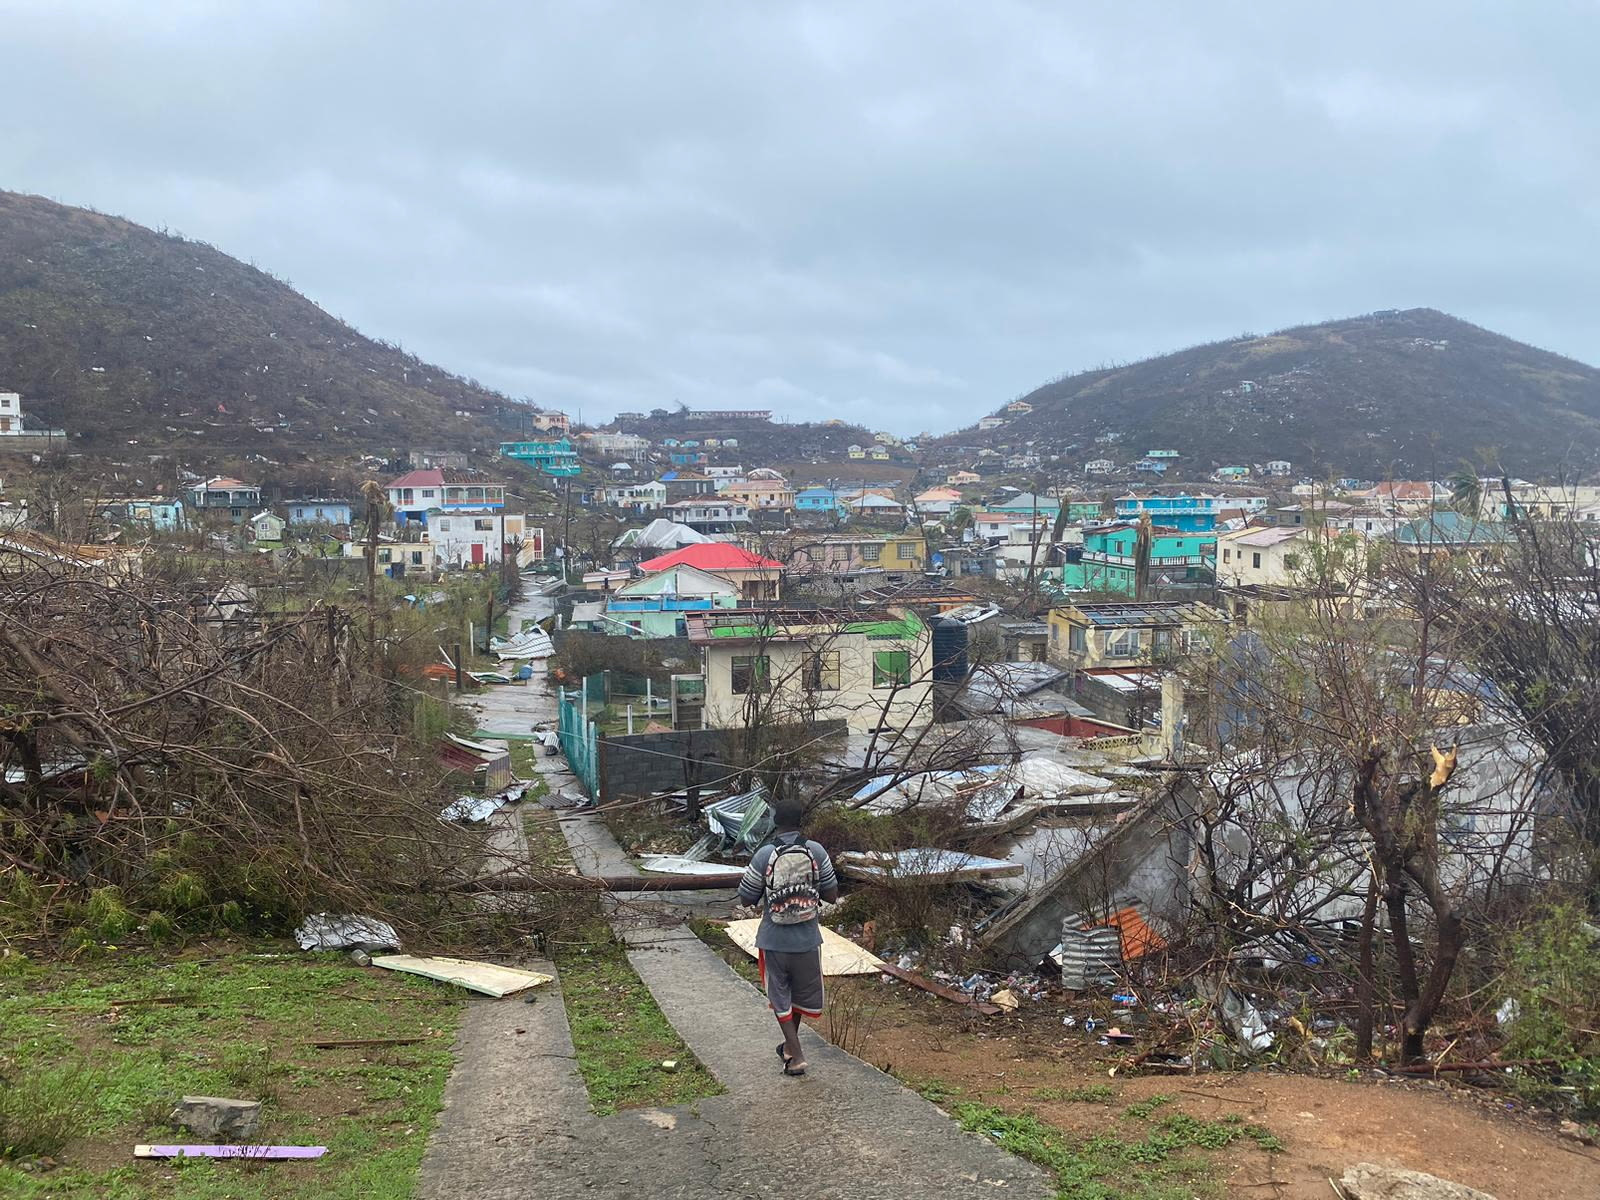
(440, 476)
(1152, 612)
(712, 556)
(751, 624)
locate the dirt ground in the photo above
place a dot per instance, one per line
(1478, 1137)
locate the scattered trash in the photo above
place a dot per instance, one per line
(1508, 1012)
(1005, 999)
(487, 978)
(1125, 999)
(1069, 1021)
(324, 931)
(216, 1116)
(669, 1064)
(250, 1152)
(1115, 1036)
(361, 958)
(940, 990)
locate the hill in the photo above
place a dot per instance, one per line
(117, 333)
(1404, 393)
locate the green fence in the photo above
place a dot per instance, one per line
(579, 739)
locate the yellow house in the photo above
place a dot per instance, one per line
(1135, 634)
(844, 555)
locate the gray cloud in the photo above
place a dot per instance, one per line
(900, 213)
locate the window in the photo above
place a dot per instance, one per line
(444, 526)
(907, 549)
(871, 552)
(1123, 645)
(821, 671)
(1078, 640)
(1255, 559)
(383, 554)
(427, 493)
(749, 673)
(1227, 556)
(416, 558)
(483, 524)
(1291, 562)
(891, 668)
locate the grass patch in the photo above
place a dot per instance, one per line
(108, 1046)
(1165, 1164)
(1094, 1093)
(619, 1032)
(1143, 1108)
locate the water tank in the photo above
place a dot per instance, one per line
(949, 650)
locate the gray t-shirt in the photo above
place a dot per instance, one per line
(752, 888)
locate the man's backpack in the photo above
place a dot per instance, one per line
(792, 896)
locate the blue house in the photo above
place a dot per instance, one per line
(817, 500)
(319, 512)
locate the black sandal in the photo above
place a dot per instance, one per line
(788, 1069)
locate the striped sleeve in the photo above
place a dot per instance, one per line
(754, 880)
(826, 878)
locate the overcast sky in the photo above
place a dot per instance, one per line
(901, 214)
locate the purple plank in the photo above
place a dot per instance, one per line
(229, 1151)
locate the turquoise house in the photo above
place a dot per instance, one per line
(818, 500)
(553, 458)
(658, 605)
(1105, 562)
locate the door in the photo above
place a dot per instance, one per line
(477, 553)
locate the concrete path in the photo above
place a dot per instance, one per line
(516, 1119)
(517, 1122)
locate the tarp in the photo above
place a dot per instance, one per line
(343, 931)
(472, 810)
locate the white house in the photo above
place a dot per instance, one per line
(1273, 555)
(871, 671)
(10, 414)
(482, 537)
(1099, 466)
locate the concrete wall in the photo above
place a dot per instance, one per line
(1146, 857)
(647, 763)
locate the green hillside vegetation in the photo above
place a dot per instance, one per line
(1411, 392)
(118, 333)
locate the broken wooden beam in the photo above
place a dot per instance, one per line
(344, 1043)
(599, 883)
(940, 990)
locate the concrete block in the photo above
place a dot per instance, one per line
(218, 1117)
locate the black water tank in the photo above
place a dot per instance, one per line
(949, 650)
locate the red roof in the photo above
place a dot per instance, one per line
(711, 556)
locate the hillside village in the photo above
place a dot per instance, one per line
(1056, 699)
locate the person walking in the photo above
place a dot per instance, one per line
(790, 878)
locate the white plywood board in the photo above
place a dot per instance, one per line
(488, 978)
(840, 956)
